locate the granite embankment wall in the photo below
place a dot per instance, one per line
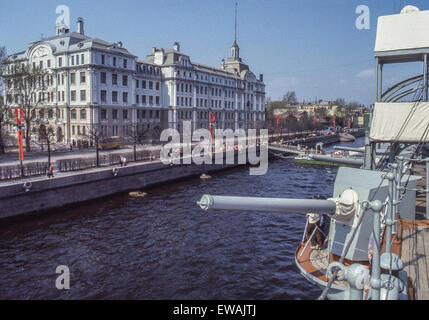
(47, 194)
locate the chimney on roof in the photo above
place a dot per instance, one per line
(261, 77)
(120, 44)
(61, 29)
(153, 50)
(176, 46)
(80, 28)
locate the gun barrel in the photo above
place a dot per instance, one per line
(347, 161)
(302, 206)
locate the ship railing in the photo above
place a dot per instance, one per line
(311, 237)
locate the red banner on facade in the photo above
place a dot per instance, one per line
(19, 123)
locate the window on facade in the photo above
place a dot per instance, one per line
(77, 59)
(114, 61)
(125, 81)
(114, 114)
(137, 99)
(83, 114)
(82, 77)
(125, 63)
(73, 131)
(72, 60)
(82, 58)
(143, 114)
(60, 62)
(125, 114)
(144, 84)
(157, 86)
(73, 78)
(82, 95)
(103, 95)
(157, 114)
(73, 95)
(103, 77)
(115, 96)
(73, 113)
(125, 96)
(103, 114)
(144, 101)
(137, 83)
(114, 79)
(49, 63)
(150, 85)
(151, 100)
(103, 59)
(157, 101)
(51, 114)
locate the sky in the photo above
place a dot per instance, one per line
(311, 47)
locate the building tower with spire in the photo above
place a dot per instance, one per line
(235, 49)
(234, 62)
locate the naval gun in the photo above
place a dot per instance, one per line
(356, 210)
(209, 202)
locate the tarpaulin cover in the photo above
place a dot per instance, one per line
(401, 121)
(403, 31)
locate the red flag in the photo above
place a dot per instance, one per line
(278, 118)
(350, 123)
(19, 122)
(335, 120)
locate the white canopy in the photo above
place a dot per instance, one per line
(403, 121)
(408, 30)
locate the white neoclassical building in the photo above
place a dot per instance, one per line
(97, 84)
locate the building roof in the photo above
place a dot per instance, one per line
(69, 42)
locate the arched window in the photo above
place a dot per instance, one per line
(83, 114)
(50, 113)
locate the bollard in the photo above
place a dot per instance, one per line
(356, 275)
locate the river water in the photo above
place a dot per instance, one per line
(164, 247)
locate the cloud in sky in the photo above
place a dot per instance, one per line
(366, 73)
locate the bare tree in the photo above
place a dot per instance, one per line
(96, 136)
(47, 134)
(134, 134)
(290, 98)
(27, 86)
(4, 107)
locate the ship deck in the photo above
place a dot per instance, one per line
(415, 256)
(415, 237)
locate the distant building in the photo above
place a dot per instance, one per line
(94, 84)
